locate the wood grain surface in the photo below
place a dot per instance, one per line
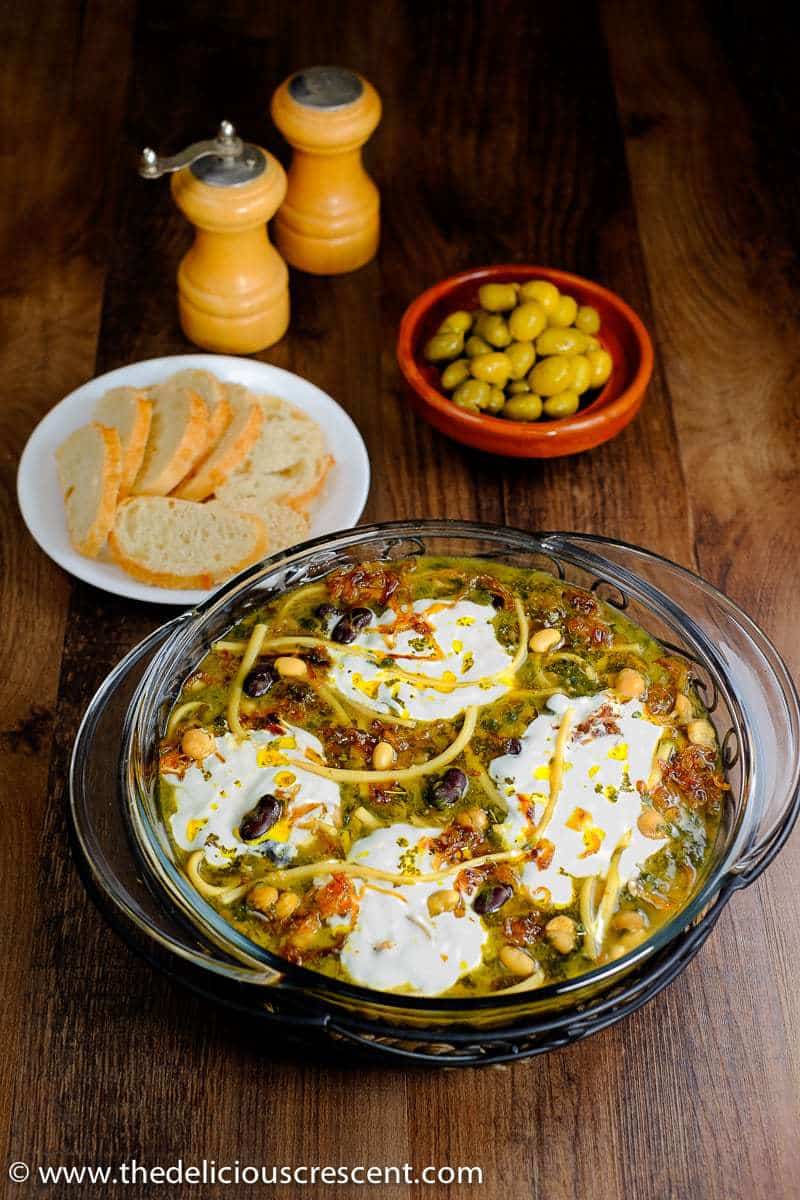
(650, 146)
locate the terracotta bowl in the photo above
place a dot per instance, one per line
(622, 333)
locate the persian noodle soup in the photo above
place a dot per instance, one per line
(442, 777)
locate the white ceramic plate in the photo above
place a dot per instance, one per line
(339, 505)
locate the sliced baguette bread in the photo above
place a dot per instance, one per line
(178, 544)
(232, 449)
(285, 526)
(127, 410)
(287, 434)
(253, 490)
(178, 438)
(210, 390)
(90, 469)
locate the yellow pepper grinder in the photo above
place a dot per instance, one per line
(329, 222)
(233, 285)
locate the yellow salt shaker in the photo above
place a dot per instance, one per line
(233, 285)
(329, 222)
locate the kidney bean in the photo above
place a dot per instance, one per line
(326, 611)
(448, 790)
(259, 681)
(360, 617)
(344, 631)
(492, 898)
(255, 823)
(513, 746)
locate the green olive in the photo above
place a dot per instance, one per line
(564, 312)
(565, 404)
(521, 356)
(456, 373)
(476, 345)
(492, 368)
(582, 377)
(601, 363)
(459, 321)
(552, 375)
(518, 387)
(593, 343)
(493, 329)
(544, 293)
(497, 401)
(523, 408)
(444, 346)
(497, 297)
(561, 341)
(587, 319)
(472, 395)
(527, 321)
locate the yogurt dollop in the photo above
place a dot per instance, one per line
(395, 944)
(213, 797)
(609, 749)
(456, 649)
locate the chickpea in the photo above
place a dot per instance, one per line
(629, 921)
(552, 375)
(630, 684)
(564, 312)
(262, 897)
(701, 733)
(543, 292)
(684, 710)
(290, 667)
(564, 404)
(651, 824)
(517, 961)
(460, 322)
(445, 901)
(454, 374)
(198, 744)
(587, 319)
(383, 756)
(601, 363)
(288, 902)
(544, 640)
(561, 934)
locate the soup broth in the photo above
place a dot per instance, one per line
(442, 776)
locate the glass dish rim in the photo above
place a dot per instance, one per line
(551, 543)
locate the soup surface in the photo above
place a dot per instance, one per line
(442, 777)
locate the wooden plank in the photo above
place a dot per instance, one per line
(696, 128)
(55, 221)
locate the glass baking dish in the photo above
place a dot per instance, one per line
(127, 862)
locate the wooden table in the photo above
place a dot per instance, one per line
(649, 146)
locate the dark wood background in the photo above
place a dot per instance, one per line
(652, 146)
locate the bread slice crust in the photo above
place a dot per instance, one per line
(212, 470)
(138, 569)
(189, 446)
(92, 541)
